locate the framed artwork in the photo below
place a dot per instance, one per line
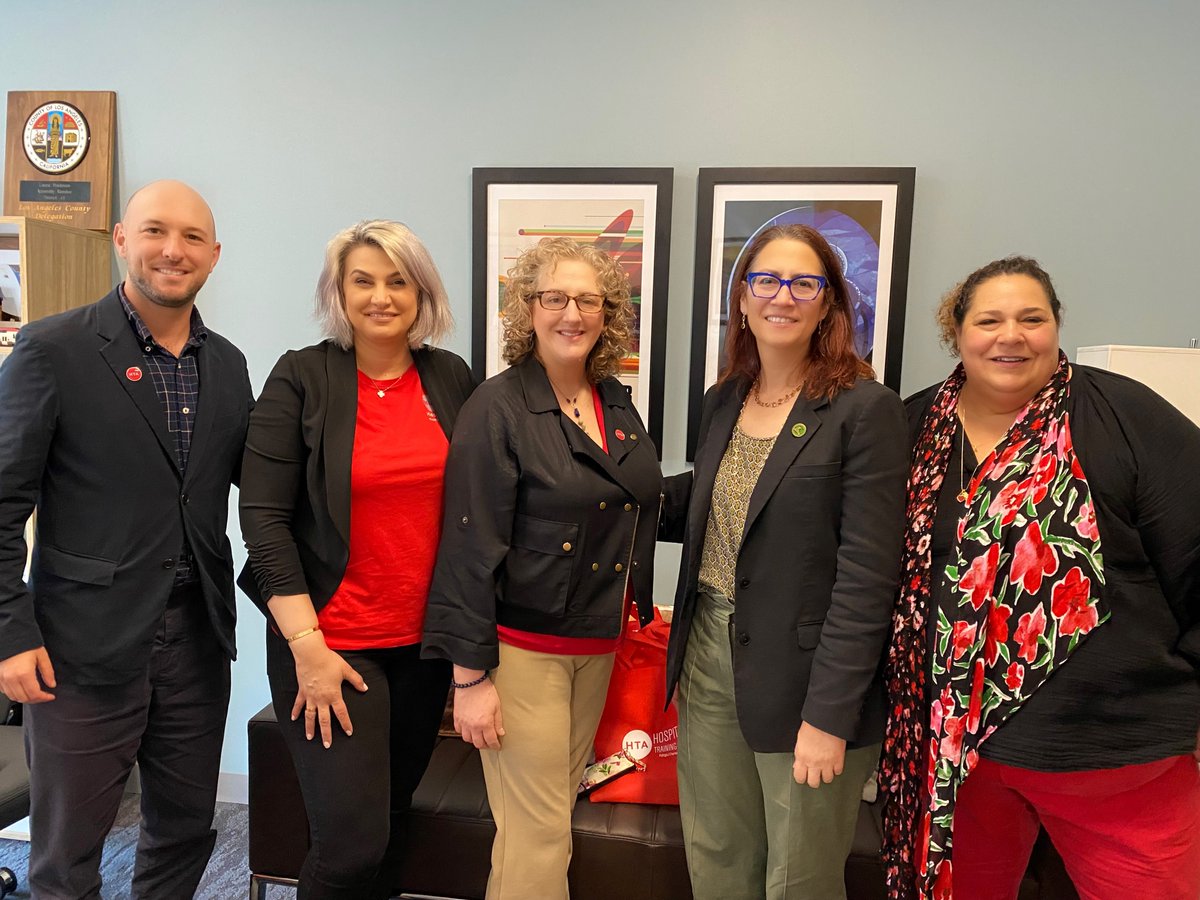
(625, 212)
(864, 213)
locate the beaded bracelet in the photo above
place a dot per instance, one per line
(480, 680)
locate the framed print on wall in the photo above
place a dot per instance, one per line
(626, 212)
(864, 213)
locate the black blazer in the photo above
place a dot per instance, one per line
(90, 447)
(540, 521)
(818, 566)
(295, 499)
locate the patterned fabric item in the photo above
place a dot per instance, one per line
(176, 379)
(177, 383)
(1027, 569)
(736, 477)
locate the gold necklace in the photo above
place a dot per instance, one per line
(382, 391)
(774, 403)
(963, 493)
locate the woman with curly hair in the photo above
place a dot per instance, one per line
(1043, 665)
(551, 511)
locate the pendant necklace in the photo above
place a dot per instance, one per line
(963, 493)
(570, 401)
(382, 391)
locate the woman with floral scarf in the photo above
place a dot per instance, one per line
(1043, 670)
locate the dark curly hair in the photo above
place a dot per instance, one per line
(953, 309)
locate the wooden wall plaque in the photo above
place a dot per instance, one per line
(58, 162)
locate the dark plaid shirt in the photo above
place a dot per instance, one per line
(177, 383)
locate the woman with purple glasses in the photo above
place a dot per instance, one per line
(792, 537)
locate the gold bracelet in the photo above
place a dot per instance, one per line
(305, 633)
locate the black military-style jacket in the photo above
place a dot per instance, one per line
(542, 528)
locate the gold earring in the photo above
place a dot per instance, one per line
(743, 321)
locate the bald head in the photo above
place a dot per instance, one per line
(168, 238)
(171, 194)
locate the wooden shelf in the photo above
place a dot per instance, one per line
(61, 267)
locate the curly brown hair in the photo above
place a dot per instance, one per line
(833, 364)
(955, 303)
(616, 336)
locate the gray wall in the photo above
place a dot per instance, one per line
(1061, 130)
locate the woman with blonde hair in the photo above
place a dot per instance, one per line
(552, 498)
(341, 501)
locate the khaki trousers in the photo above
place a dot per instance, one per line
(551, 705)
(751, 832)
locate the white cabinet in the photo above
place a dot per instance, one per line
(1173, 372)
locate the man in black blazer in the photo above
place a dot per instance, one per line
(123, 424)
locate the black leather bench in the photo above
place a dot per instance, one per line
(631, 851)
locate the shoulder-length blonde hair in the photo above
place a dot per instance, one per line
(434, 319)
(616, 336)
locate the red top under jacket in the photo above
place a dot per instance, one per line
(396, 478)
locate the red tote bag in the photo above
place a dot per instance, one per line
(634, 720)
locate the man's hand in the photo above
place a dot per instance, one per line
(19, 676)
(820, 756)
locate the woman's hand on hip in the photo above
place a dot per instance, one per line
(819, 756)
(319, 675)
(477, 715)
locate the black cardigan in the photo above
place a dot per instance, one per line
(1131, 693)
(295, 492)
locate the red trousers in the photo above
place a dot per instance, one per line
(1131, 833)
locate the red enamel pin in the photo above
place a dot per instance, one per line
(620, 434)
(133, 373)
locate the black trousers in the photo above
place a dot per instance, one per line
(358, 791)
(81, 747)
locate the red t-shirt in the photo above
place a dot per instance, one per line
(396, 478)
(571, 646)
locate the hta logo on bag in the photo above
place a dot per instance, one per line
(637, 744)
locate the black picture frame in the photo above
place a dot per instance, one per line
(573, 201)
(854, 207)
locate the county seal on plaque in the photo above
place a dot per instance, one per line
(59, 157)
(56, 138)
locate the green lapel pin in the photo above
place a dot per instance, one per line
(799, 429)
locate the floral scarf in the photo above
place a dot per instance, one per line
(1027, 570)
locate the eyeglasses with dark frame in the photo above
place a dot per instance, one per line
(556, 300)
(803, 288)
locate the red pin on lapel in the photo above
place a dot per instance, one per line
(620, 434)
(133, 373)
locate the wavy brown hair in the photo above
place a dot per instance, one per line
(833, 365)
(616, 336)
(953, 309)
